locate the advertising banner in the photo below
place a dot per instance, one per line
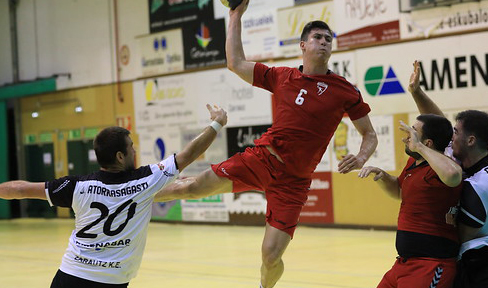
(161, 53)
(239, 138)
(204, 43)
(319, 206)
(245, 104)
(220, 11)
(453, 73)
(444, 20)
(347, 140)
(366, 22)
(260, 35)
(165, 102)
(344, 64)
(209, 209)
(164, 15)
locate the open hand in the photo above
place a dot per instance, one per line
(349, 163)
(414, 83)
(217, 114)
(366, 171)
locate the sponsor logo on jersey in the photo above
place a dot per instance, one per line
(61, 186)
(321, 86)
(223, 171)
(167, 174)
(161, 166)
(95, 262)
(100, 246)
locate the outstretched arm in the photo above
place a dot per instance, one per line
(423, 102)
(448, 171)
(368, 145)
(387, 182)
(236, 60)
(201, 143)
(22, 190)
(205, 184)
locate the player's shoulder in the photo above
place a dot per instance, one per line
(343, 80)
(109, 178)
(480, 179)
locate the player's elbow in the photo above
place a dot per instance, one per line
(373, 138)
(453, 177)
(231, 65)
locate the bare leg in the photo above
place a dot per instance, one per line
(274, 245)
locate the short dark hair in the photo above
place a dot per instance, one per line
(475, 123)
(313, 25)
(436, 128)
(108, 142)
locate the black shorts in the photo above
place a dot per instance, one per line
(472, 269)
(63, 280)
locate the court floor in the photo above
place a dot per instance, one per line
(206, 256)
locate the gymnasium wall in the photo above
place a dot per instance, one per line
(164, 86)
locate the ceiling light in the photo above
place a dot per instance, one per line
(35, 114)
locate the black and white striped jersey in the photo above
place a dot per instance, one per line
(112, 212)
(474, 204)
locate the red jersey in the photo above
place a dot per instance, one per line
(307, 112)
(425, 201)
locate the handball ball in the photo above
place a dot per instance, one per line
(232, 4)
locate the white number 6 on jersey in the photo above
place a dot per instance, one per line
(300, 99)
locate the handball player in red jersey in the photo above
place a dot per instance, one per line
(310, 103)
(429, 187)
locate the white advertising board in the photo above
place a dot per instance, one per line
(444, 20)
(347, 140)
(161, 53)
(454, 73)
(220, 11)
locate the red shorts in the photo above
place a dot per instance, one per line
(257, 169)
(419, 273)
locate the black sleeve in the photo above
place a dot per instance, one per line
(473, 212)
(61, 191)
(176, 163)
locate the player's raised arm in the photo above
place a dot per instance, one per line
(201, 143)
(449, 172)
(423, 102)
(236, 60)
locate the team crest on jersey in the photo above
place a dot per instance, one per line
(161, 166)
(321, 86)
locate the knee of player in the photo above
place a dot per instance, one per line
(271, 256)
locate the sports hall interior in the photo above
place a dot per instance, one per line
(70, 68)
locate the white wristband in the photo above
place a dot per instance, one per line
(216, 126)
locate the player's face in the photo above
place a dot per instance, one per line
(459, 141)
(131, 154)
(318, 44)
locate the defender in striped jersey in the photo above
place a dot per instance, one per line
(112, 206)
